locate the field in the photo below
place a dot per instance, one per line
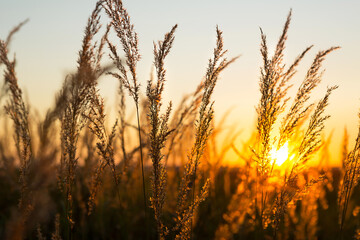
(160, 171)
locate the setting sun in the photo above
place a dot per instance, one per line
(281, 155)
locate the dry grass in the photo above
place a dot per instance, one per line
(171, 182)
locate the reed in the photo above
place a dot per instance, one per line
(159, 130)
(349, 182)
(79, 89)
(120, 21)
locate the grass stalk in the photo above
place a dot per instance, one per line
(141, 161)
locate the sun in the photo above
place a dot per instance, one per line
(280, 155)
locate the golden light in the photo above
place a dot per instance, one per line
(281, 155)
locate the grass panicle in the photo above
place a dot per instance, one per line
(79, 88)
(298, 110)
(350, 179)
(202, 132)
(18, 111)
(274, 85)
(159, 130)
(105, 142)
(120, 21)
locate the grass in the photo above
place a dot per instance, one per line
(172, 183)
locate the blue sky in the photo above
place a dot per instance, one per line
(46, 48)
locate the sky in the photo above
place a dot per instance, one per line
(46, 49)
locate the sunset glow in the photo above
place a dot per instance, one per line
(281, 155)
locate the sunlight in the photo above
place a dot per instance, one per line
(281, 155)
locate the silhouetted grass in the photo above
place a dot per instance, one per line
(71, 175)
